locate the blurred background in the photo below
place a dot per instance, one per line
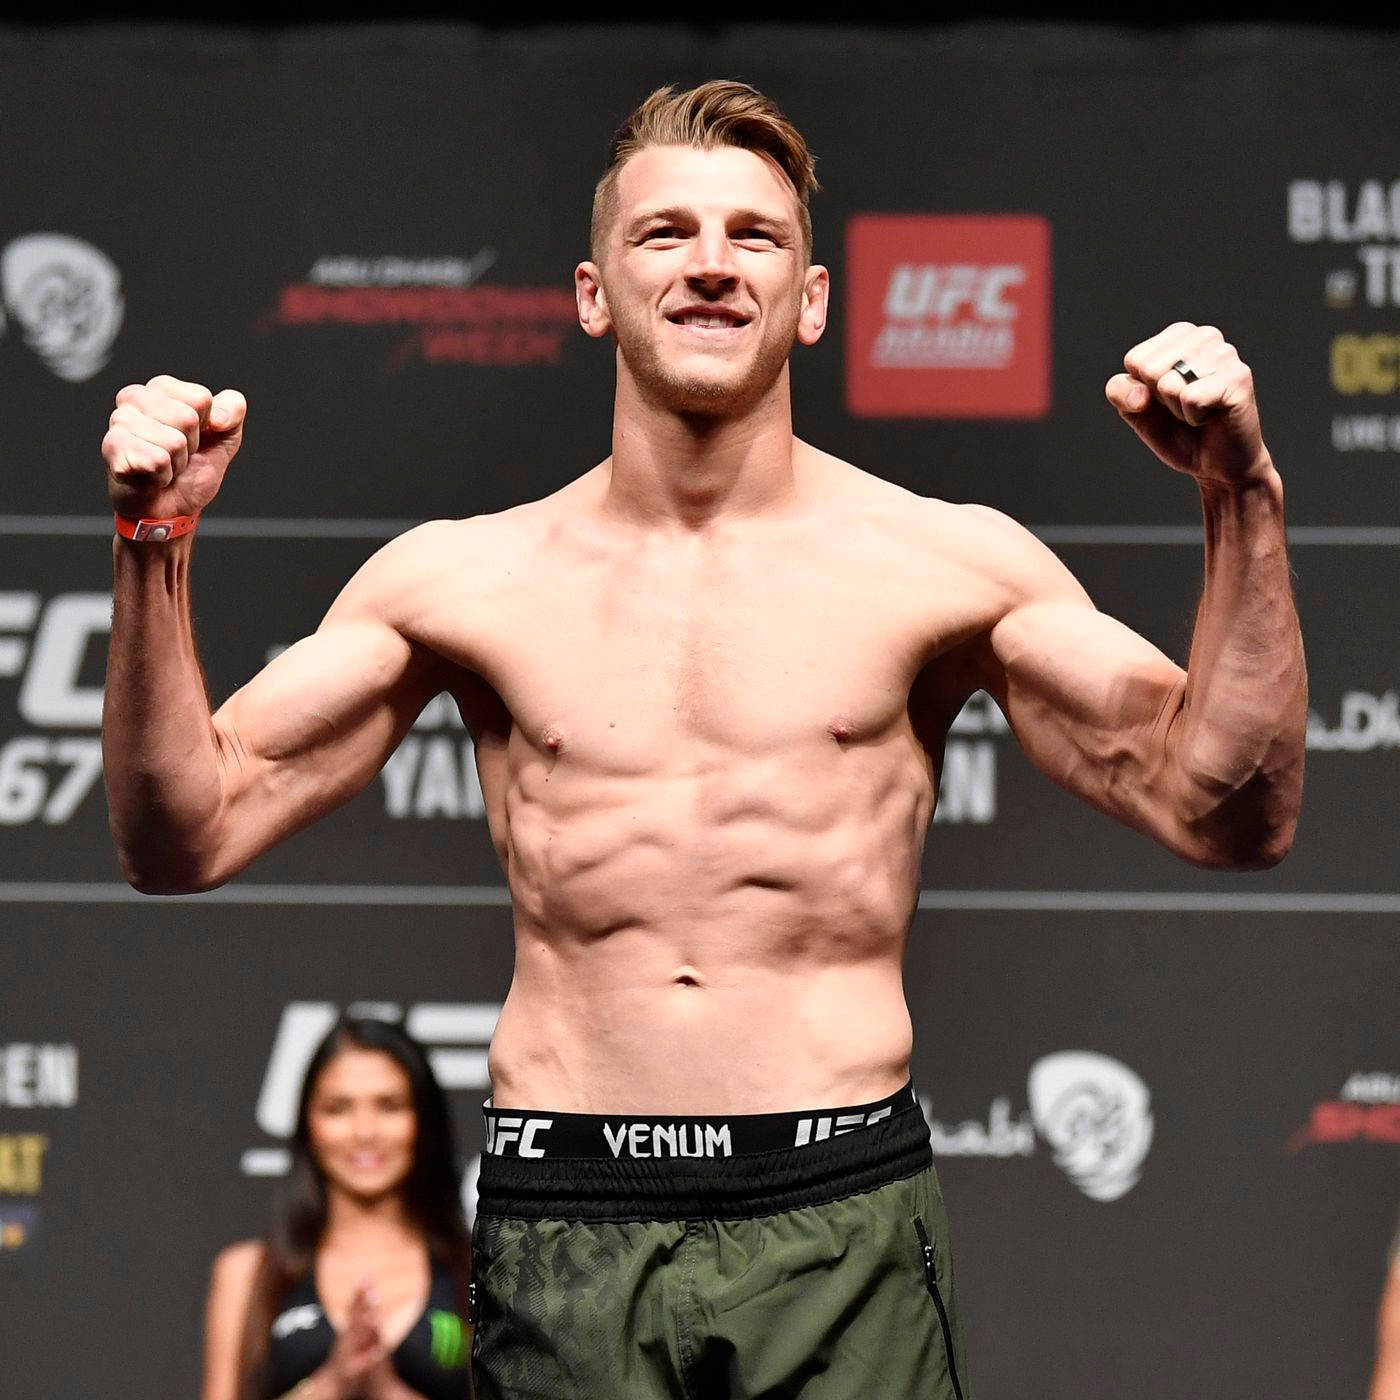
(370, 228)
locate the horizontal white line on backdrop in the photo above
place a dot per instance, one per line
(471, 896)
(283, 527)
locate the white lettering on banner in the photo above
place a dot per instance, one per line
(1362, 361)
(928, 290)
(50, 695)
(921, 303)
(1374, 1087)
(1365, 722)
(434, 776)
(967, 785)
(1324, 212)
(351, 271)
(49, 692)
(1382, 280)
(38, 1076)
(1370, 432)
(1000, 1136)
(26, 791)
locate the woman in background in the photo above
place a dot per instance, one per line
(360, 1290)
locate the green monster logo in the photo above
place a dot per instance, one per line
(450, 1344)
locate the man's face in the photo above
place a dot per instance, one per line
(704, 280)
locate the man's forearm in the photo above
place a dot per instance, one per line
(159, 752)
(1240, 745)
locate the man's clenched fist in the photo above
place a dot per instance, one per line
(1203, 422)
(168, 446)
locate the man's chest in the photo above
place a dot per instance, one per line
(751, 651)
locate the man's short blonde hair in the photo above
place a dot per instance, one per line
(719, 113)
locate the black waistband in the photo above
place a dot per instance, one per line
(533, 1133)
(692, 1168)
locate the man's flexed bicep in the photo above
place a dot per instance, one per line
(194, 797)
(1205, 760)
(313, 727)
(1097, 708)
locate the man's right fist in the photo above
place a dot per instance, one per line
(168, 446)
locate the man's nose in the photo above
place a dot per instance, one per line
(712, 266)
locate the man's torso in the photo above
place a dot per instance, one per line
(709, 761)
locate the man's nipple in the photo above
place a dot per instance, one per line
(840, 728)
(553, 739)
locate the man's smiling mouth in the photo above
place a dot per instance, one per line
(707, 318)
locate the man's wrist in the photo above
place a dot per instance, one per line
(144, 529)
(1261, 479)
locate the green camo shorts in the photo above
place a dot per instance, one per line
(819, 1272)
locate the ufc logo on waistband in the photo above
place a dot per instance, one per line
(827, 1126)
(503, 1129)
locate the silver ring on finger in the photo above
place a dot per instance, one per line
(1186, 372)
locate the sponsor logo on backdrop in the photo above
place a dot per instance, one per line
(65, 297)
(1364, 722)
(1366, 1110)
(1357, 226)
(948, 316)
(435, 310)
(1091, 1110)
(52, 650)
(1094, 1111)
(456, 1036)
(32, 1076)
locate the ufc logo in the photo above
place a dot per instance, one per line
(834, 1125)
(503, 1129)
(930, 290)
(49, 694)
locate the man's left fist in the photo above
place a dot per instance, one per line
(1190, 398)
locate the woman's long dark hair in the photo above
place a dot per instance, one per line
(430, 1191)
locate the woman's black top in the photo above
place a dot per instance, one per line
(434, 1359)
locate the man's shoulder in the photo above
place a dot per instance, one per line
(475, 542)
(952, 528)
(984, 548)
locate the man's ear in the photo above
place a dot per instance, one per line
(816, 293)
(592, 300)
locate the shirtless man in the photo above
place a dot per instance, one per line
(709, 683)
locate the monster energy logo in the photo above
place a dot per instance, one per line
(450, 1345)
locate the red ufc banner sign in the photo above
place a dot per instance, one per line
(948, 316)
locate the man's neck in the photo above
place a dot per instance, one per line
(692, 470)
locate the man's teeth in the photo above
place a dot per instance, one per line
(696, 318)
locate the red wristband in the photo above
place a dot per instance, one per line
(155, 531)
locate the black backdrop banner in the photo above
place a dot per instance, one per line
(371, 232)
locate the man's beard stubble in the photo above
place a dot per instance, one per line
(718, 396)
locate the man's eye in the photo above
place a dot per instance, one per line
(754, 235)
(664, 231)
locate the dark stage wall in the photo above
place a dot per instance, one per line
(371, 232)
